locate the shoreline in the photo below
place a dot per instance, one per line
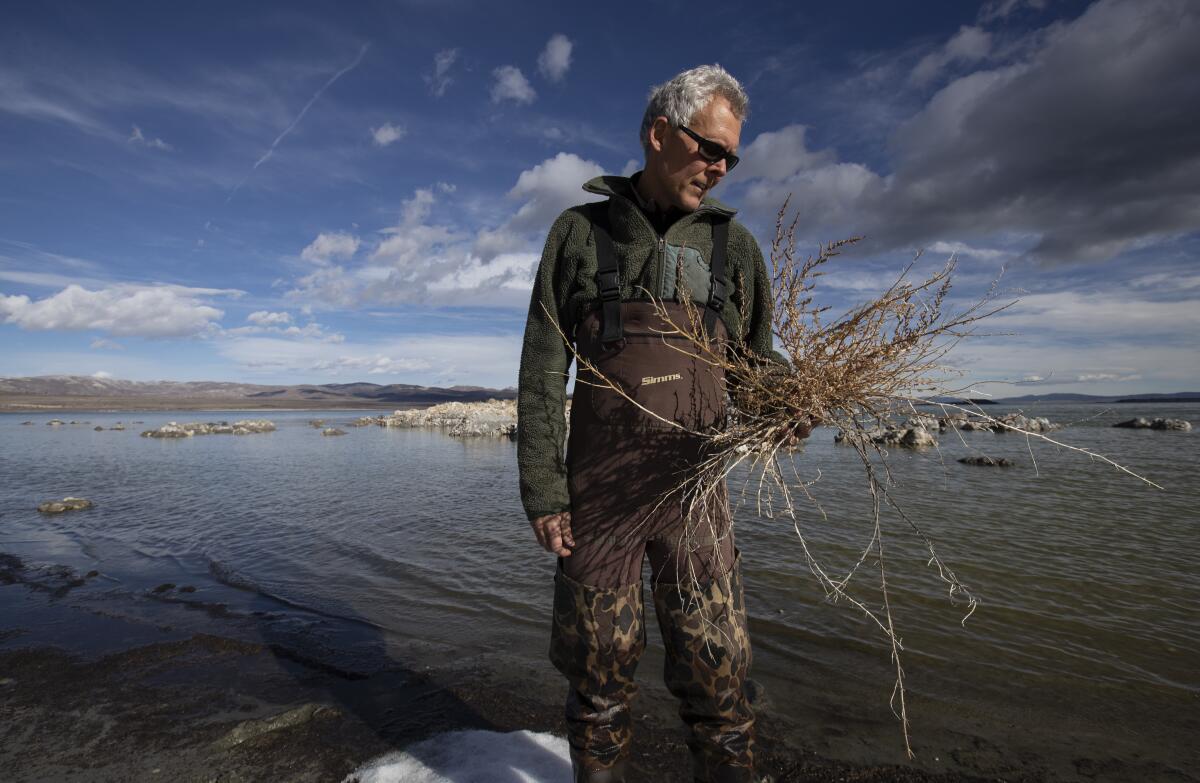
(214, 708)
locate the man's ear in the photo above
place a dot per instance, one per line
(658, 133)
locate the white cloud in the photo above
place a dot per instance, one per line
(387, 134)
(511, 85)
(969, 45)
(632, 166)
(106, 344)
(331, 246)
(439, 78)
(550, 187)
(120, 310)
(136, 137)
(101, 374)
(267, 318)
(1100, 314)
(555, 59)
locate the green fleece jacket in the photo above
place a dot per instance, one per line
(649, 265)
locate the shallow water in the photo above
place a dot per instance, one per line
(1083, 642)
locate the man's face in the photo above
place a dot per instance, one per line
(686, 176)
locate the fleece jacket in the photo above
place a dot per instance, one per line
(650, 266)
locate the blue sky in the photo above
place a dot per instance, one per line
(314, 193)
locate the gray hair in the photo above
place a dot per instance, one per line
(681, 98)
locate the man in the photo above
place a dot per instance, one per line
(612, 500)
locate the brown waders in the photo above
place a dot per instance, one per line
(624, 464)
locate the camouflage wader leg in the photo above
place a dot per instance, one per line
(597, 637)
(708, 658)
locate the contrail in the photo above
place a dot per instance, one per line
(271, 150)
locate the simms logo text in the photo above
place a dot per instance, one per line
(649, 379)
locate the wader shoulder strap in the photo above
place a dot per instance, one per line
(720, 286)
(608, 278)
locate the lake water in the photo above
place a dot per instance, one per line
(1079, 663)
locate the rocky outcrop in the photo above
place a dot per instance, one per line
(55, 423)
(66, 504)
(461, 419)
(994, 462)
(332, 431)
(245, 427)
(364, 421)
(1142, 423)
(1007, 423)
(316, 423)
(890, 435)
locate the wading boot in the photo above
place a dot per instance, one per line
(596, 640)
(708, 659)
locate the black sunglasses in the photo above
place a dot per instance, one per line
(711, 150)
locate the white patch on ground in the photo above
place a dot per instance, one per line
(473, 757)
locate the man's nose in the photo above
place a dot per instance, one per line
(718, 168)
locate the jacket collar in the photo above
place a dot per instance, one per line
(622, 187)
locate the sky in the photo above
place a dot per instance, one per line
(327, 193)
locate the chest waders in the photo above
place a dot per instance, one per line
(623, 465)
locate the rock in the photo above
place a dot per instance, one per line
(248, 730)
(316, 423)
(164, 587)
(998, 462)
(1171, 424)
(187, 589)
(252, 426)
(91, 574)
(494, 418)
(98, 428)
(117, 426)
(26, 423)
(1026, 423)
(917, 437)
(908, 437)
(168, 430)
(55, 423)
(332, 431)
(66, 504)
(1142, 423)
(175, 430)
(923, 420)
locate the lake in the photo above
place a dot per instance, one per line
(1079, 662)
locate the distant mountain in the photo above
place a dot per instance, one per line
(77, 386)
(1064, 397)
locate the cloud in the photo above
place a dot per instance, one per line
(330, 246)
(267, 318)
(120, 310)
(427, 258)
(136, 137)
(969, 45)
(1081, 149)
(550, 187)
(555, 59)
(1001, 9)
(511, 85)
(101, 374)
(387, 134)
(103, 343)
(439, 78)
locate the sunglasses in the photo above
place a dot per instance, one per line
(711, 150)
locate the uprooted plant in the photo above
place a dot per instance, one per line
(857, 371)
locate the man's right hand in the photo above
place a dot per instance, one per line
(553, 532)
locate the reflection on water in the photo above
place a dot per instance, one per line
(1086, 577)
